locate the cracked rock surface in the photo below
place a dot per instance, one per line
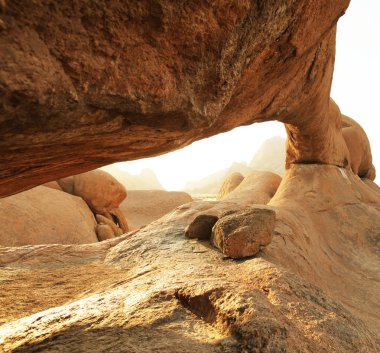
(156, 290)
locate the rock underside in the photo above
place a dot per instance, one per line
(86, 84)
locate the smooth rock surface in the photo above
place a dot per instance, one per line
(43, 215)
(243, 233)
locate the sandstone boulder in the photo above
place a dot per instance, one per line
(43, 215)
(244, 233)
(201, 227)
(100, 190)
(145, 206)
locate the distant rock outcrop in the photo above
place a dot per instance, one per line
(256, 188)
(229, 184)
(43, 215)
(145, 180)
(270, 156)
(145, 206)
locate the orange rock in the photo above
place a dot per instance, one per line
(95, 101)
(45, 216)
(243, 233)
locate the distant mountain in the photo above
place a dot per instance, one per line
(270, 156)
(146, 180)
(212, 183)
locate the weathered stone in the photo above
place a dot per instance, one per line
(87, 85)
(201, 227)
(244, 233)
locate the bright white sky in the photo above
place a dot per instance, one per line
(355, 89)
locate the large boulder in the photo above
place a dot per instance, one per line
(43, 215)
(88, 85)
(244, 233)
(103, 194)
(100, 190)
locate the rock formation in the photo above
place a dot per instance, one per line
(103, 194)
(255, 188)
(243, 233)
(229, 184)
(158, 290)
(87, 85)
(43, 215)
(145, 206)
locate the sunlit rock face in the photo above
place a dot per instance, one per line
(90, 83)
(157, 290)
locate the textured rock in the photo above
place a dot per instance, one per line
(201, 227)
(145, 206)
(45, 216)
(159, 291)
(229, 184)
(243, 233)
(85, 84)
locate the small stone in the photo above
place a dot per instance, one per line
(243, 233)
(201, 227)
